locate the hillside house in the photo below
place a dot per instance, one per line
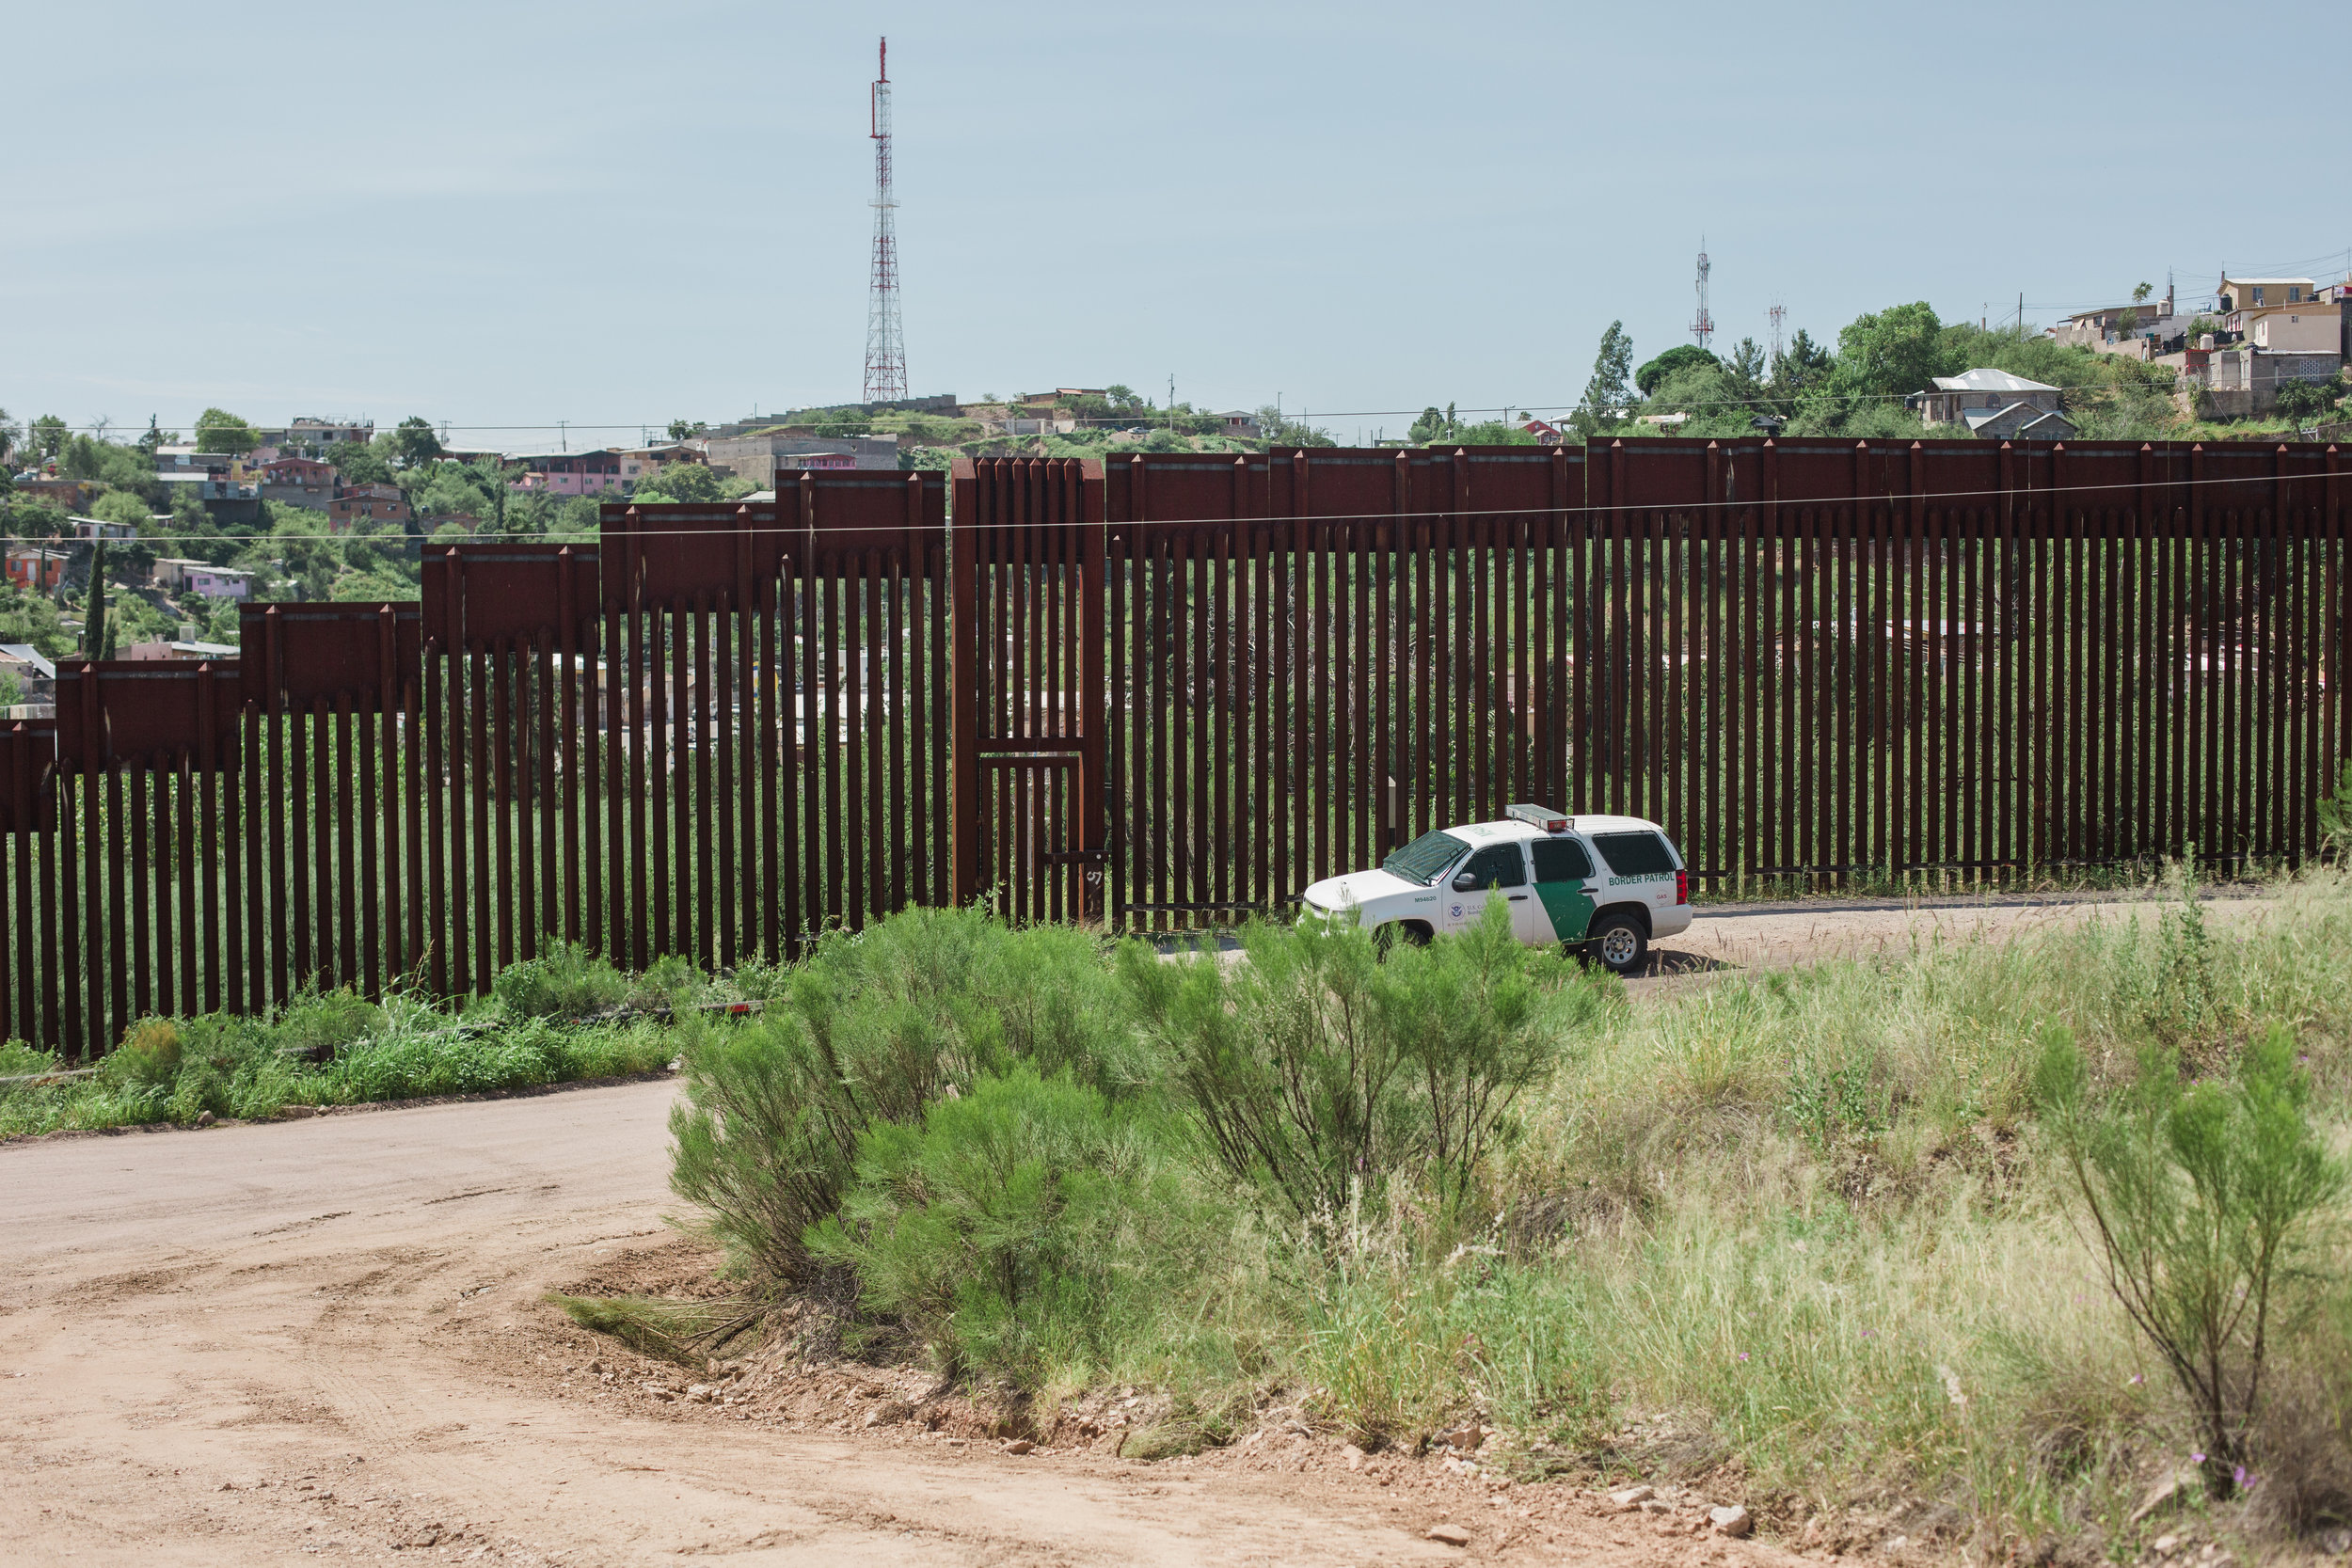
(375, 505)
(1973, 397)
(298, 482)
(35, 677)
(36, 568)
(179, 575)
(569, 473)
(188, 650)
(98, 528)
(758, 456)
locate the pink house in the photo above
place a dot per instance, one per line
(569, 473)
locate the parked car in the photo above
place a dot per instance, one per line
(1608, 885)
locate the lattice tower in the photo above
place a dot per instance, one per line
(1703, 324)
(885, 342)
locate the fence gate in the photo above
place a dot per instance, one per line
(1028, 675)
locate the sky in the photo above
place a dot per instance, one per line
(508, 215)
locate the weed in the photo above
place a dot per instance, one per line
(689, 1333)
(566, 981)
(2335, 816)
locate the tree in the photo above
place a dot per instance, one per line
(1890, 353)
(2304, 400)
(94, 623)
(2139, 294)
(121, 506)
(360, 463)
(48, 435)
(9, 436)
(680, 481)
(686, 430)
(218, 430)
(1608, 393)
(1682, 356)
(414, 440)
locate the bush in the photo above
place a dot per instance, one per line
(566, 981)
(1016, 1230)
(876, 1027)
(764, 1141)
(148, 1057)
(2197, 1200)
(674, 982)
(1316, 1070)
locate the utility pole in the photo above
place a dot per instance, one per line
(2021, 316)
(1171, 402)
(564, 438)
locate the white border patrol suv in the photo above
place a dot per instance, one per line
(1609, 885)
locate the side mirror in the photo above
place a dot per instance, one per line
(1466, 882)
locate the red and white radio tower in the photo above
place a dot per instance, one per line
(885, 344)
(1703, 324)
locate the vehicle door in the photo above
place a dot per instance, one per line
(1498, 871)
(1641, 867)
(1564, 870)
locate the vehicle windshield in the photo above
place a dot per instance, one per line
(1423, 861)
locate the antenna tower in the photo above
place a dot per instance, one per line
(1779, 313)
(1703, 324)
(885, 344)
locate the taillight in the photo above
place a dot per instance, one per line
(1683, 887)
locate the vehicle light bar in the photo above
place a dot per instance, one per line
(1545, 817)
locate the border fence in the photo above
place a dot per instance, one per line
(1162, 690)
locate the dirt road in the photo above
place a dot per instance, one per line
(327, 1338)
(1728, 937)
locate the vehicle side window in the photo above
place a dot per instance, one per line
(1560, 860)
(1634, 854)
(1499, 865)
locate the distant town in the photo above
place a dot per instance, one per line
(183, 528)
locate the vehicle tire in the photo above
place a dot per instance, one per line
(1411, 932)
(1618, 942)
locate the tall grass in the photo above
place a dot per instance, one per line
(336, 1048)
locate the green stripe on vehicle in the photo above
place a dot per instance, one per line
(1570, 908)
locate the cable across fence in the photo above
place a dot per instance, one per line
(1163, 692)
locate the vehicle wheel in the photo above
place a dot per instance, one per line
(1385, 938)
(1620, 943)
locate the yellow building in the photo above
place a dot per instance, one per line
(2266, 293)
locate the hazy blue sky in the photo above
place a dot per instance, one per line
(504, 214)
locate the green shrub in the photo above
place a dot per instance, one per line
(933, 996)
(674, 982)
(1016, 1230)
(566, 981)
(2197, 1200)
(1316, 1070)
(201, 1086)
(148, 1058)
(764, 1139)
(2335, 817)
(317, 1025)
(18, 1060)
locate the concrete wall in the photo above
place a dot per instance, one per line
(2315, 331)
